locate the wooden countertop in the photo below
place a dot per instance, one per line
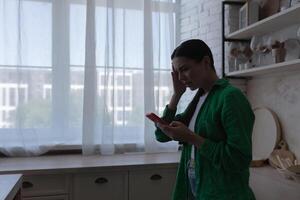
(268, 183)
(73, 163)
(9, 186)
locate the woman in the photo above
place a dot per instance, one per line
(215, 129)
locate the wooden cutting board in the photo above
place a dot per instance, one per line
(266, 134)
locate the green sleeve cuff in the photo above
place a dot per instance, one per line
(168, 114)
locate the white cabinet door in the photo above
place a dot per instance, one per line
(45, 185)
(58, 197)
(101, 186)
(151, 184)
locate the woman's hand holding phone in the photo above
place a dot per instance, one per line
(177, 131)
(156, 119)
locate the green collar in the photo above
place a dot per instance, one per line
(221, 82)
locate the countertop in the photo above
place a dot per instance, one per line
(75, 163)
(265, 181)
(268, 183)
(9, 186)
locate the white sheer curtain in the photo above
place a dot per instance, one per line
(83, 73)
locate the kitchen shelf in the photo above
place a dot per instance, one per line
(264, 70)
(270, 24)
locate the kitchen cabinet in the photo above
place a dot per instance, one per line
(46, 187)
(122, 184)
(151, 184)
(97, 186)
(133, 184)
(56, 197)
(77, 177)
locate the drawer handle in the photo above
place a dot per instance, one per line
(27, 184)
(156, 177)
(101, 180)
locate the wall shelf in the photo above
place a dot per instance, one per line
(264, 70)
(275, 22)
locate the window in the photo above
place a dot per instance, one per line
(47, 91)
(9, 99)
(42, 66)
(162, 95)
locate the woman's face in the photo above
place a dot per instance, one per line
(192, 73)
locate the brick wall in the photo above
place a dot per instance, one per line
(202, 19)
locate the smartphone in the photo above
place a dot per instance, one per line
(156, 119)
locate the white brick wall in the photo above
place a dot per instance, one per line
(188, 20)
(202, 19)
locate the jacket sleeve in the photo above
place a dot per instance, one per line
(168, 116)
(237, 118)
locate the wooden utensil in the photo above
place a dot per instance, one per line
(283, 155)
(295, 169)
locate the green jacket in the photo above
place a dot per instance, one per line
(222, 162)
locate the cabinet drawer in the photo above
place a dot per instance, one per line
(43, 185)
(151, 184)
(98, 186)
(57, 197)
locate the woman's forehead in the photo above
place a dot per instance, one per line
(181, 61)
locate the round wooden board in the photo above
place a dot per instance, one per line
(266, 133)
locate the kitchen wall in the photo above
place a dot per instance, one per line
(202, 19)
(280, 92)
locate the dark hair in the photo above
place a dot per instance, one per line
(194, 49)
(189, 112)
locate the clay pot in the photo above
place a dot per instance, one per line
(279, 54)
